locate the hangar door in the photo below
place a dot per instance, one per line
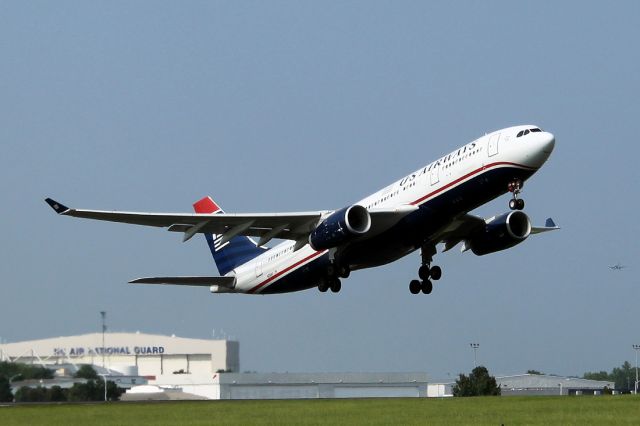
(150, 365)
(376, 392)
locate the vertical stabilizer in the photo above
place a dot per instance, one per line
(234, 252)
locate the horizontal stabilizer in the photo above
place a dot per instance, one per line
(227, 282)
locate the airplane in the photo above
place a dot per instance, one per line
(422, 210)
(617, 267)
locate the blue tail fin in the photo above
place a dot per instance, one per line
(233, 253)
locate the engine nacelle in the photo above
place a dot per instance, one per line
(340, 227)
(503, 232)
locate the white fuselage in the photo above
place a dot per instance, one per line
(502, 148)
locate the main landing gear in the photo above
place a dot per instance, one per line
(335, 271)
(330, 283)
(515, 187)
(426, 273)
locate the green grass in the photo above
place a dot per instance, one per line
(485, 410)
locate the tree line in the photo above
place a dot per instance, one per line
(623, 376)
(91, 390)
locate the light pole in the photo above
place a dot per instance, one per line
(104, 376)
(475, 347)
(635, 387)
(103, 314)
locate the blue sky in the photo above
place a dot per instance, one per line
(285, 106)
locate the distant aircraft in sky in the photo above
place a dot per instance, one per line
(617, 267)
(423, 209)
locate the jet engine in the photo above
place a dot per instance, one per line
(340, 227)
(503, 232)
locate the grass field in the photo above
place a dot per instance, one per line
(619, 409)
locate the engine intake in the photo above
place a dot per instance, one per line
(503, 232)
(340, 227)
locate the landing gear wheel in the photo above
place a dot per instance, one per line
(519, 204)
(424, 272)
(426, 287)
(336, 285)
(513, 204)
(344, 272)
(323, 286)
(331, 270)
(436, 273)
(414, 287)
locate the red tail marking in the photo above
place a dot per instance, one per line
(205, 205)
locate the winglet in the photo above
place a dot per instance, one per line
(206, 205)
(550, 223)
(58, 207)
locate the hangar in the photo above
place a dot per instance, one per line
(132, 354)
(548, 384)
(289, 386)
(181, 368)
(534, 384)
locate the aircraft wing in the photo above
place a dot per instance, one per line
(463, 227)
(383, 219)
(289, 226)
(548, 226)
(458, 230)
(228, 282)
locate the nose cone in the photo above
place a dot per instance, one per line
(539, 148)
(548, 142)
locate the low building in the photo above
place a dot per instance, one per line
(156, 393)
(533, 384)
(295, 385)
(547, 384)
(439, 390)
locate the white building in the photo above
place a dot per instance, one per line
(288, 386)
(149, 355)
(179, 368)
(533, 384)
(548, 384)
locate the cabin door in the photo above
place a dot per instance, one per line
(493, 144)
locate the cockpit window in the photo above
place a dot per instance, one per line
(527, 131)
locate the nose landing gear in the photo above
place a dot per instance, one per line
(515, 187)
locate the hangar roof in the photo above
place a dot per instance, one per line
(545, 381)
(531, 381)
(304, 378)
